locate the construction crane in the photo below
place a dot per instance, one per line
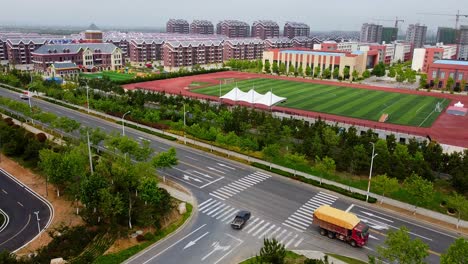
(396, 21)
(457, 17)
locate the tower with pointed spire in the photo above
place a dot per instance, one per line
(93, 34)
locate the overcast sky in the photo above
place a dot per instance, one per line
(320, 15)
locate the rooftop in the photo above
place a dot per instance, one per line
(314, 52)
(452, 62)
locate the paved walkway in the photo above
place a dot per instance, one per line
(310, 254)
(178, 194)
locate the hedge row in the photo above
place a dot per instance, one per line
(330, 187)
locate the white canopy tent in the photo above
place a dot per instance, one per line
(268, 99)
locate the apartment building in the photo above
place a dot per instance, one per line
(403, 52)
(202, 27)
(146, 50)
(371, 33)
(122, 43)
(265, 29)
(18, 51)
(424, 57)
(233, 29)
(180, 26)
(463, 43)
(303, 42)
(446, 35)
(179, 54)
(416, 35)
(243, 49)
(87, 56)
(278, 43)
(296, 29)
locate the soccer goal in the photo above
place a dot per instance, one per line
(438, 107)
(229, 80)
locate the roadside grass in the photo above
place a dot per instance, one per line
(347, 259)
(293, 258)
(403, 109)
(114, 76)
(121, 256)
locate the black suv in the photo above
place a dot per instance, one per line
(240, 219)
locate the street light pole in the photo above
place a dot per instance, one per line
(29, 86)
(89, 153)
(185, 138)
(87, 95)
(370, 171)
(123, 122)
(38, 225)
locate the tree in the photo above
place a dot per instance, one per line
(392, 72)
(326, 73)
(449, 84)
(400, 248)
(260, 66)
(291, 69)
(459, 203)
(420, 190)
(336, 73)
(270, 152)
(267, 66)
(401, 77)
(282, 68)
(422, 81)
(411, 76)
(165, 159)
(384, 185)
(301, 70)
(457, 253)
(272, 252)
(379, 70)
(366, 74)
(463, 85)
(308, 70)
(275, 68)
(317, 71)
(355, 75)
(326, 165)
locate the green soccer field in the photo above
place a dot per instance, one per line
(114, 76)
(403, 109)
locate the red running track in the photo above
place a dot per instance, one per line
(447, 129)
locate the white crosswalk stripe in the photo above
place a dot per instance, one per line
(274, 232)
(290, 241)
(260, 229)
(235, 187)
(281, 234)
(299, 222)
(251, 222)
(284, 238)
(221, 198)
(228, 190)
(298, 242)
(255, 226)
(209, 207)
(266, 231)
(225, 213)
(301, 218)
(220, 211)
(205, 205)
(229, 217)
(239, 185)
(293, 227)
(200, 205)
(327, 195)
(215, 209)
(225, 192)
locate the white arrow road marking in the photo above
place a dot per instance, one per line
(226, 166)
(191, 243)
(203, 174)
(187, 178)
(376, 216)
(217, 247)
(213, 169)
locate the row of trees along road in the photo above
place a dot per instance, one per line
(289, 142)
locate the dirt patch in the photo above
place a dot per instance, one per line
(128, 241)
(64, 212)
(430, 220)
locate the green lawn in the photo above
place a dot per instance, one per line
(403, 109)
(114, 76)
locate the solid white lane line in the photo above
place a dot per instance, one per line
(225, 213)
(215, 209)
(298, 242)
(206, 209)
(203, 174)
(349, 208)
(190, 158)
(213, 169)
(203, 186)
(266, 231)
(219, 197)
(20, 204)
(200, 205)
(260, 229)
(226, 166)
(290, 241)
(254, 227)
(220, 211)
(205, 205)
(228, 218)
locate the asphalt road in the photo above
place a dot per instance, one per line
(281, 208)
(19, 204)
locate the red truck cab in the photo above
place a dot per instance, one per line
(360, 234)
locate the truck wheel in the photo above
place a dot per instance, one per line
(331, 235)
(323, 232)
(353, 243)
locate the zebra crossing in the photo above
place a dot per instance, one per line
(256, 227)
(302, 218)
(239, 185)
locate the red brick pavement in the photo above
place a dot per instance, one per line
(447, 129)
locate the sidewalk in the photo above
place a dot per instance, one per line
(176, 193)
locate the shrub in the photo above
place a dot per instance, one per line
(140, 238)
(149, 236)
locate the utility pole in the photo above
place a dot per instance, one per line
(123, 122)
(89, 154)
(370, 171)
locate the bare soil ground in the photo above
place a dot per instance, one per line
(64, 212)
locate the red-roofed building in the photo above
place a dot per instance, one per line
(442, 70)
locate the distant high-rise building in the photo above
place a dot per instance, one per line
(295, 29)
(265, 29)
(446, 35)
(389, 34)
(233, 29)
(463, 43)
(202, 27)
(177, 26)
(416, 35)
(371, 33)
